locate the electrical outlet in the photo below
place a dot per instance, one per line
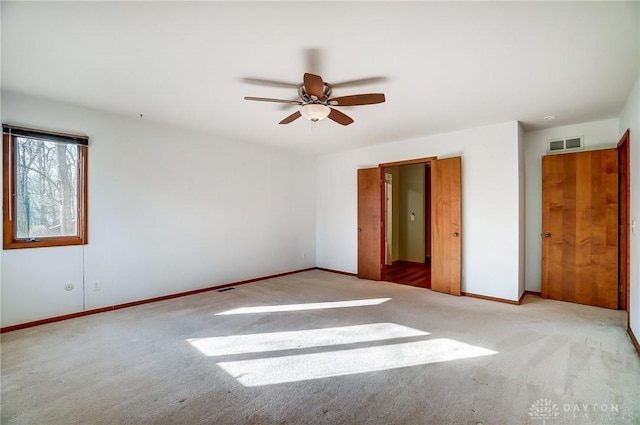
(96, 285)
(69, 287)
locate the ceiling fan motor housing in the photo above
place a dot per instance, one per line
(308, 99)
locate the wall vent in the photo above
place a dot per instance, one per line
(564, 145)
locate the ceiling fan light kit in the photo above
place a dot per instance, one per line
(314, 111)
(316, 104)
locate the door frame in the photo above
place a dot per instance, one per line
(388, 211)
(427, 212)
(383, 166)
(624, 213)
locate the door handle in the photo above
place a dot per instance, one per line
(547, 235)
(359, 230)
(456, 234)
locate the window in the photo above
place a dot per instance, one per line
(44, 188)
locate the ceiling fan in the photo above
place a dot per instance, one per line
(317, 104)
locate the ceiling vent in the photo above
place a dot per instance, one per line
(565, 145)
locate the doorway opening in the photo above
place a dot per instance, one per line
(407, 224)
(445, 210)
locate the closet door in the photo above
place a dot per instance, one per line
(446, 219)
(370, 223)
(580, 227)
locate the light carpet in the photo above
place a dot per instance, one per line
(322, 348)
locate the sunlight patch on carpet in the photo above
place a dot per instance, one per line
(275, 341)
(294, 368)
(301, 307)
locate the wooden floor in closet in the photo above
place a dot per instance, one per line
(414, 274)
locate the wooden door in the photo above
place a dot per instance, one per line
(370, 192)
(580, 227)
(446, 219)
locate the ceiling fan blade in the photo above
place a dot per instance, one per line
(266, 99)
(357, 99)
(271, 83)
(313, 85)
(291, 117)
(285, 106)
(339, 117)
(360, 82)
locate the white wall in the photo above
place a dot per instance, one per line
(169, 211)
(490, 199)
(395, 212)
(630, 119)
(522, 209)
(412, 241)
(597, 135)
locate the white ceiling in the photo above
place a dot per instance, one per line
(448, 65)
